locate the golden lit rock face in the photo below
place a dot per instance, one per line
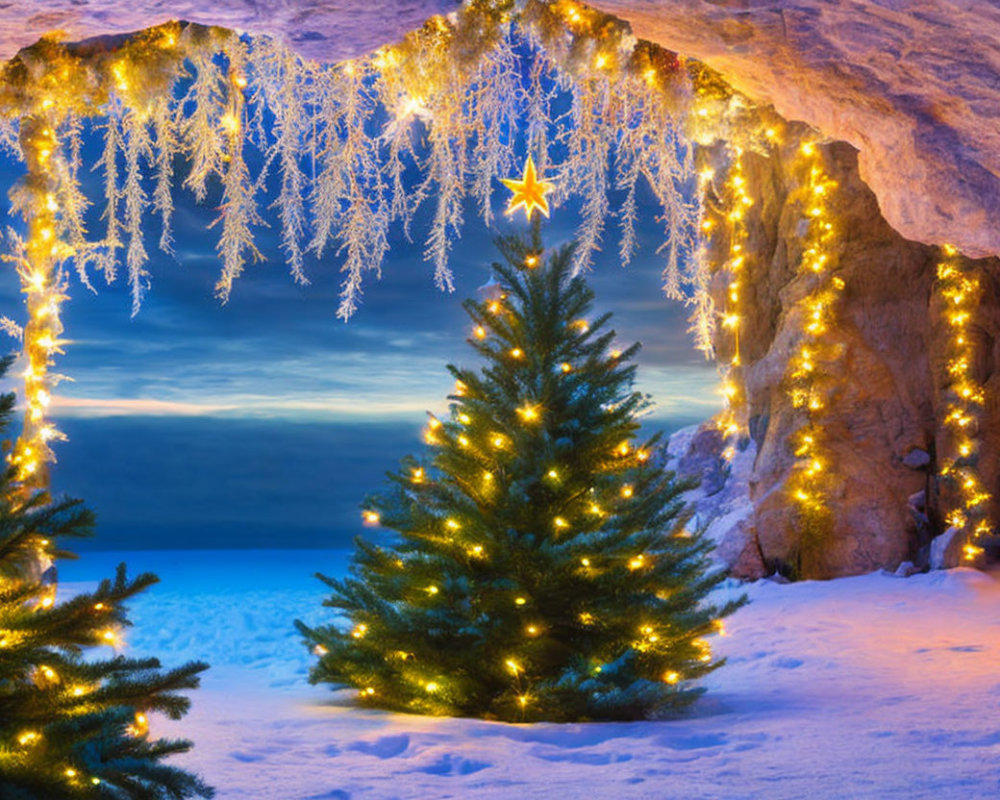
(885, 371)
(914, 86)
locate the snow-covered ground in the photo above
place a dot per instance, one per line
(866, 687)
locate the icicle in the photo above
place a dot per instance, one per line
(107, 258)
(137, 145)
(239, 207)
(290, 118)
(586, 166)
(167, 147)
(201, 126)
(73, 202)
(493, 109)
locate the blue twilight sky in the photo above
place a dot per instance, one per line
(265, 421)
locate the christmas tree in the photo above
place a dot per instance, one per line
(541, 568)
(73, 725)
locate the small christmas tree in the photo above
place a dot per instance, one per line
(542, 569)
(75, 727)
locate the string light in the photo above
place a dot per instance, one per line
(807, 482)
(39, 269)
(960, 291)
(529, 413)
(736, 200)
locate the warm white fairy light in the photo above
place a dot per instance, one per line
(39, 267)
(815, 349)
(960, 291)
(737, 201)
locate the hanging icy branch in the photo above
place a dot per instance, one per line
(239, 207)
(283, 89)
(137, 146)
(167, 147)
(353, 148)
(201, 125)
(493, 110)
(107, 258)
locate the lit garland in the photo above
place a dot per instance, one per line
(960, 291)
(737, 202)
(806, 376)
(39, 265)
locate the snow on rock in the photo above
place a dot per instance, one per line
(319, 29)
(720, 504)
(946, 549)
(865, 687)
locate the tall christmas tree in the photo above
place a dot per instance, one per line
(73, 725)
(542, 568)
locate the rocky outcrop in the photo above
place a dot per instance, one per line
(914, 86)
(884, 413)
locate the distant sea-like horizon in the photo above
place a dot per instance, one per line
(180, 483)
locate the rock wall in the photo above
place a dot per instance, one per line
(886, 403)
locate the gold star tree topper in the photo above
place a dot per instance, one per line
(529, 192)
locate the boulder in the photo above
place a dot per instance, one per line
(916, 458)
(946, 549)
